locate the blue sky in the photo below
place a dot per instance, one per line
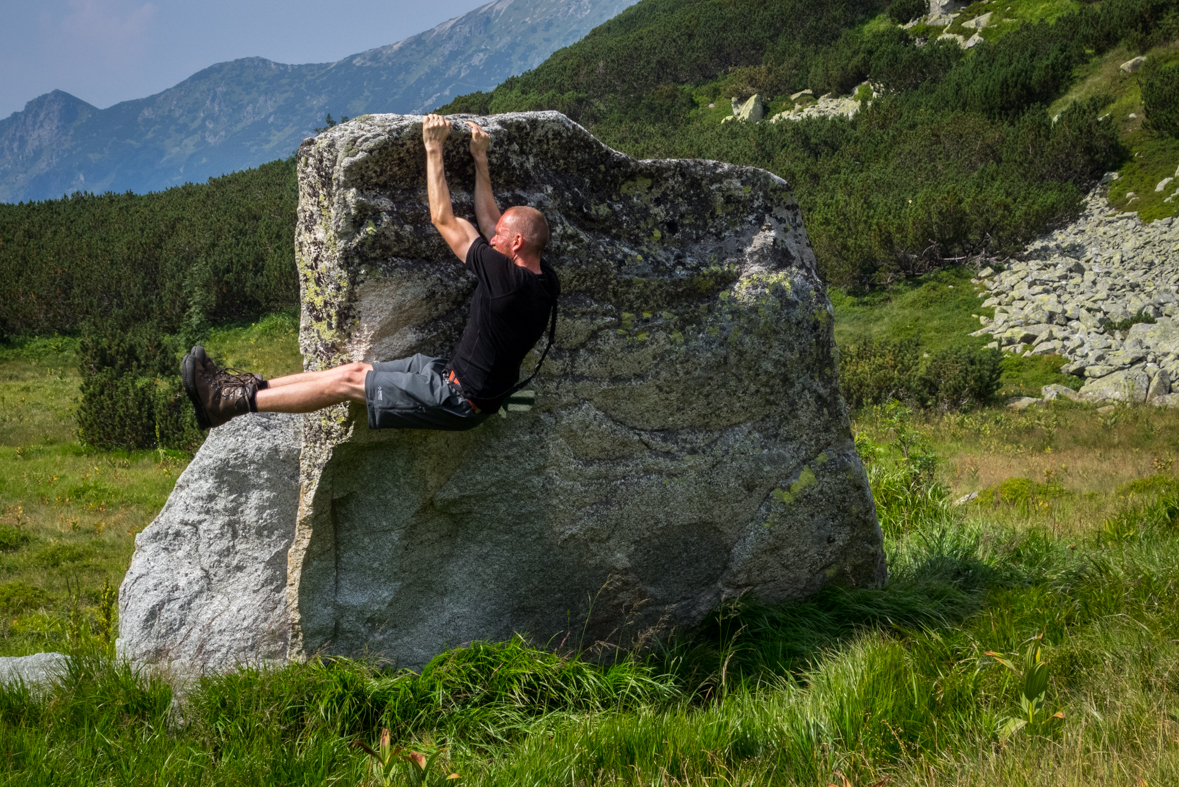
(107, 51)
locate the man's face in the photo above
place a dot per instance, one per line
(504, 236)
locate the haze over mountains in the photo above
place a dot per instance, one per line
(245, 112)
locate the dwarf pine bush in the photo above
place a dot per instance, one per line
(952, 378)
(131, 393)
(1160, 96)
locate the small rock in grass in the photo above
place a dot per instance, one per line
(966, 499)
(36, 671)
(1130, 66)
(1057, 391)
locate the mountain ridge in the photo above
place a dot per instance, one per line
(241, 113)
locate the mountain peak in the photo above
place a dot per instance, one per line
(242, 113)
(44, 123)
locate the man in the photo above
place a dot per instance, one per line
(516, 293)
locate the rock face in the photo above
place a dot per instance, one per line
(688, 441)
(1130, 66)
(938, 7)
(1075, 292)
(206, 587)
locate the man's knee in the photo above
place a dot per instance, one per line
(351, 376)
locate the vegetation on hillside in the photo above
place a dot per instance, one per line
(186, 258)
(956, 158)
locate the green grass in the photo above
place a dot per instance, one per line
(1026, 375)
(894, 683)
(69, 513)
(269, 347)
(941, 308)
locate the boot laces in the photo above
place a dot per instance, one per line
(229, 378)
(235, 378)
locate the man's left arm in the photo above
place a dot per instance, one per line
(458, 233)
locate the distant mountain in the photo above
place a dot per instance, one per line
(239, 114)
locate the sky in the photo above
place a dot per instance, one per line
(107, 51)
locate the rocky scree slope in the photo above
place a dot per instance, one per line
(1102, 292)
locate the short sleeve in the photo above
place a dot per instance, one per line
(494, 270)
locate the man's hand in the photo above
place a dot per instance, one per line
(458, 233)
(486, 211)
(480, 141)
(435, 130)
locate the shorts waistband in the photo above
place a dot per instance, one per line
(453, 379)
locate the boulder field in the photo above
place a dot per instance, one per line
(1102, 292)
(687, 442)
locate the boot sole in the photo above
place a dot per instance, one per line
(188, 377)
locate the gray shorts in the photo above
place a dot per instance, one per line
(411, 393)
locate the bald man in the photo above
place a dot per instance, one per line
(514, 299)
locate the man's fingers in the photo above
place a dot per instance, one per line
(435, 128)
(480, 140)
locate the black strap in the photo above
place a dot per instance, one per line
(547, 347)
(518, 386)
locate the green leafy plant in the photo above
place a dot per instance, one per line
(107, 601)
(1032, 679)
(394, 765)
(1124, 325)
(12, 538)
(902, 473)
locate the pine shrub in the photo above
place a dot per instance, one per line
(955, 378)
(1160, 96)
(903, 11)
(131, 392)
(875, 372)
(958, 378)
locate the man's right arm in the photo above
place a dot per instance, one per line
(486, 211)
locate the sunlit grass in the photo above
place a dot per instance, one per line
(942, 308)
(895, 683)
(269, 347)
(1075, 541)
(69, 513)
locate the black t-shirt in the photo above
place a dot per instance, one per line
(509, 313)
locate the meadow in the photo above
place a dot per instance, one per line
(1029, 635)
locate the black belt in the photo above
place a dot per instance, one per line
(453, 379)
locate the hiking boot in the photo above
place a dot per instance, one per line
(217, 395)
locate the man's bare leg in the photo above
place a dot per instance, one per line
(310, 391)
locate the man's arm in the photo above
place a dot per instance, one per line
(486, 211)
(458, 233)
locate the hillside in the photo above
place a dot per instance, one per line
(240, 114)
(955, 157)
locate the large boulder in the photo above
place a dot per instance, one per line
(206, 587)
(1129, 385)
(1161, 336)
(688, 441)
